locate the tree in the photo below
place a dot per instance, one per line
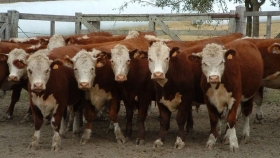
(204, 6)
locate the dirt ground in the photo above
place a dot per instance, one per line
(264, 141)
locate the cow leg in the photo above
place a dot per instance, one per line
(165, 115)
(214, 120)
(14, 99)
(230, 130)
(58, 125)
(70, 118)
(189, 124)
(181, 118)
(129, 117)
(89, 115)
(247, 110)
(258, 98)
(113, 116)
(141, 117)
(38, 122)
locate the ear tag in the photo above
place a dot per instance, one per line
(229, 56)
(174, 54)
(55, 66)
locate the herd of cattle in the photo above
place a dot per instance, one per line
(84, 73)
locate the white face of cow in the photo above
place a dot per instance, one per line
(15, 73)
(56, 41)
(213, 59)
(38, 69)
(158, 55)
(120, 61)
(84, 68)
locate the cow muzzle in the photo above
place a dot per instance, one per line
(214, 79)
(158, 75)
(121, 78)
(38, 87)
(13, 78)
(84, 85)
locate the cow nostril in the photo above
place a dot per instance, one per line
(84, 84)
(38, 85)
(158, 74)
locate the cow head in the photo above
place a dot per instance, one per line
(56, 41)
(213, 58)
(20, 56)
(274, 48)
(38, 67)
(159, 55)
(120, 61)
(84, 64)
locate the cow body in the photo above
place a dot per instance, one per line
(231, 74)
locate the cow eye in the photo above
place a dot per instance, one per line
(167, 59)
(151, 60)
(47, 71)
(221, 63)
(92, 69)
(128, 61)
(204, 64)
(29, 71)
(75, 69)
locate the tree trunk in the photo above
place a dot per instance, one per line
(249, 25)
(256, 7)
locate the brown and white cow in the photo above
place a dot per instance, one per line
(231, 74)
(52, 87)
(97, 80)
(135, 84)
(174, 85)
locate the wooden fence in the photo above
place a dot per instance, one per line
(237, 22)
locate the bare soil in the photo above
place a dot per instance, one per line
(264, 142)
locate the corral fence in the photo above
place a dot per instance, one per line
(236, 22)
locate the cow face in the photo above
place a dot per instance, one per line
(213, 58)
(15, 56)
(84, 64)
(120, 62)
(158, 56)
(55, 42)
(38, 69)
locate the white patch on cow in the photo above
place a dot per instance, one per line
(179, 144)
(213, 60)
(132, 34)
(136, 98)
(21, 40)
(62, 127)
(272, 81)
(120, 60)
(211, 141)
(154, 38)
(246, 128)
(158, 55)
(35, 140)
(162, 82)
(38, 66)
(86, 134)
(158, 143)
(34, 47)
(37, 134)
(47, 106)
(21, 55)
(232, 138)
(83, 37)
(98, 97)
(56, 41)
(118, 133)
(173, 104)
(220, 97)
(84, 64)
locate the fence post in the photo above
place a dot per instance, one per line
(232, 23)
(241, 22)
(52, 28)
(13, 17)
(268, 27)
(152, 25)
(78, 24)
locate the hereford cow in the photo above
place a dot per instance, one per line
(231, 74)
(174, 89)
(52, 87)
(97, 80)
(135, 85)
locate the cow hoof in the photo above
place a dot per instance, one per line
(56, 147)
(233, 148)
(211, 141)
(121, 139)
(225, 141)
(244, 139)
(9, 116)
(84, 141)
(158, 143)
(179, 144)
(139, 142)
(34, 144)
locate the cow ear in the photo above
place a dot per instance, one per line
(195, 57)
(101, 59)
(3, 57)
(274, 48)
(133, 54)
(68, 61)
(19, 64)
(56, 64)
(174, 52)
(229, 54)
